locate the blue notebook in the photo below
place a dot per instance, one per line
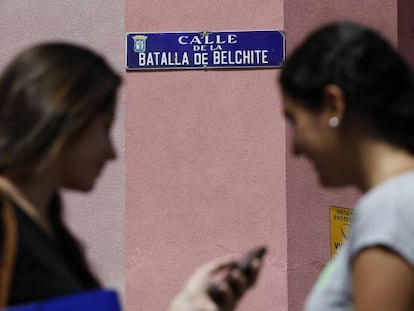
(101, 300)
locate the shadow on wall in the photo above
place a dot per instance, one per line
(406, 29)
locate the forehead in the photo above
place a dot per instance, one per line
(295, 109)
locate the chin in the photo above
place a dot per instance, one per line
(331, 182)
(87, 188)
(82, 187)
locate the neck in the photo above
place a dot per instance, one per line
(380, 161)
(33, 196)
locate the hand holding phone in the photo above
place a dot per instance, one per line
(245, 267)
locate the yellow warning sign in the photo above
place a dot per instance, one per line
(340, 219)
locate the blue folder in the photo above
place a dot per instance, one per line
(101, 300)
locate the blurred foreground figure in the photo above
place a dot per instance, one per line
(57, 104)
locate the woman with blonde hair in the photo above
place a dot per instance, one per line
(57, 105)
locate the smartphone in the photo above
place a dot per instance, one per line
(244, 266)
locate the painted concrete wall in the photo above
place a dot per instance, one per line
(98, 218)
(205, 160)
(307, 203)
(207, 154)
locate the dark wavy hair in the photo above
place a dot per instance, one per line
(377, 83)
(48, 94)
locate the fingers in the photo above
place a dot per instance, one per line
(227, 292)
(219, 264)
(254, 271)
(203, 276)
(218, 285)
(237, 282)
(194, 297)
(186, 301)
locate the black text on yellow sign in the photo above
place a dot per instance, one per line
(340, 221)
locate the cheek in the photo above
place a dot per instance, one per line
(297, 145)
(302, 141)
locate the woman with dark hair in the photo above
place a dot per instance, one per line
(57, 104)
(350, 99)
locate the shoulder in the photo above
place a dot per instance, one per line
(3, 217)
(385, 217)
(1, 223)
(9, 219)
(382, 280)
(393, 197)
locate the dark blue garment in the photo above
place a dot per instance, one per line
(102, 300)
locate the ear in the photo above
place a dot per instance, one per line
(334, 102)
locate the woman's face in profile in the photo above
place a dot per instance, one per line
(83, 158)
(316, 140)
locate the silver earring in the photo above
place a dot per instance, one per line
(333, 122)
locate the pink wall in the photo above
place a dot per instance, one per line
(406, 29)
(205, 160)
(207, 153)
(98, 218)
(307, 203)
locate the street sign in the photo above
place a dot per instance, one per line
(205, 50)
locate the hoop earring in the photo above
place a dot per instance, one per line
(333, 122)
